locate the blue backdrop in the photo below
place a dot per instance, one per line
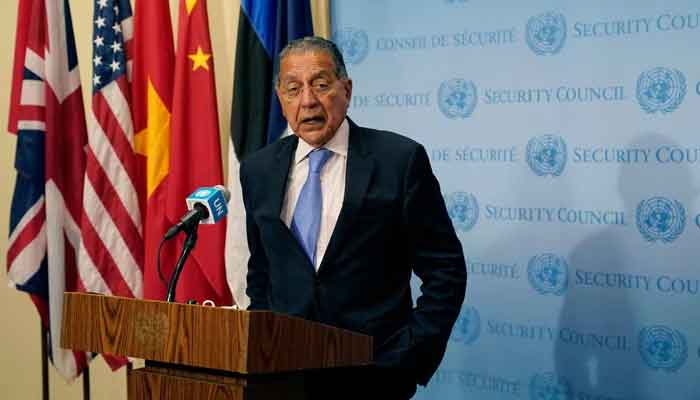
(564, 135)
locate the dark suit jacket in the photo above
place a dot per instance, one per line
(393, 221)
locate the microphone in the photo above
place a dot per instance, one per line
(206, 205)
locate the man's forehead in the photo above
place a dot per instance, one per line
(308, 62)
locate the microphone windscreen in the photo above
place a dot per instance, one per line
(224, 190)
(214, 199)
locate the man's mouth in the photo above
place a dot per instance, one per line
(316, 120)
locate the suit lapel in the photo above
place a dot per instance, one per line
(280, 173)
(357, 178)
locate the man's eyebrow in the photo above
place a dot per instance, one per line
(318, 74)
(323, 75)
(322, 72)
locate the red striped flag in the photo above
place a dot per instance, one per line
(111, 258)
(47, 113)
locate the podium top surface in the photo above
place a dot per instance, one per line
(247, 342)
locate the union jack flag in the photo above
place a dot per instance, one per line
(47, 114)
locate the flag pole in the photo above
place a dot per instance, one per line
(44, 363)
(86, 383)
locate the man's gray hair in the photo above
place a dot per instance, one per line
(311, 44)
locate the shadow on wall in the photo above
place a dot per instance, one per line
(616, 370)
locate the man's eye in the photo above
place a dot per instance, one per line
(321, 86)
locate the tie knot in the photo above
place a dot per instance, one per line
(318, 158)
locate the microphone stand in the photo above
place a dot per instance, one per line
(190, 241)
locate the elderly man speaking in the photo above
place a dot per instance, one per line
(338, 216)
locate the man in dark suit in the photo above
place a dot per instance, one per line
(338, 216)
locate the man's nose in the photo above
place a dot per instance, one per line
(308, 97)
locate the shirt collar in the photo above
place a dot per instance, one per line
(338, 144)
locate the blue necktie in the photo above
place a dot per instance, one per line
(306, 221)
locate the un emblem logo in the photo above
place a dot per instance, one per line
(661, 89)
(457, 98)
(548, 274)
(661, 219)
(463, 210)
(663, 348)
(546, 33)
(548, 386)
(468, 326)
(353, 43)
(546, 155)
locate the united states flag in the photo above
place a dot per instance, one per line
(111, 258)
(47, 114)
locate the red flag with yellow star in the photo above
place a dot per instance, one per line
(195, 154)
(152, 90)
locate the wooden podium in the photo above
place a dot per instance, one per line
(198, 352)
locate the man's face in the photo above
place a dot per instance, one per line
(314, 100)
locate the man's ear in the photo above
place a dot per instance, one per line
(347, 83)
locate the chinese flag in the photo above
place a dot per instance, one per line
(195, 154)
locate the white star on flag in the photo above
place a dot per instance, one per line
(97, 60)
(100, 22)
(114, 65)
(99, 41)
(116, 47)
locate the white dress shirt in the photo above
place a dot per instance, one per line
(332, 185)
